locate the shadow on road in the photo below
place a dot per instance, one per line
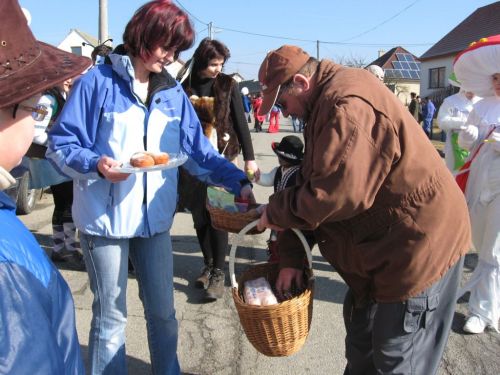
(134, 365)
(188, 263)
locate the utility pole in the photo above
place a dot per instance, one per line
(317, 50)
(210, 33)
(103, 21)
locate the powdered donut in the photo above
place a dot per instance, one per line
(161, 158)
(142, 160)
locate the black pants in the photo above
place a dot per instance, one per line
(258, 125)
(213, 242)
(403, 337)
(63, 200)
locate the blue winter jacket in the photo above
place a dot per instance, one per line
(428, 111)
(37, 317)
(104, 116)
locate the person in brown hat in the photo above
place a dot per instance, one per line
(37, 329)
(380, 203)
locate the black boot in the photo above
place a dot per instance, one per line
(215, 288)
(203, 280)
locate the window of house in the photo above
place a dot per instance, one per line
(437, 78)
(77, 50)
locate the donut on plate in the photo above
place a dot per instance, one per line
(142, 160)
(161, 158)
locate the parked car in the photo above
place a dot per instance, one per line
(25, 198)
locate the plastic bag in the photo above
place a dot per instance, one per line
(258, 292)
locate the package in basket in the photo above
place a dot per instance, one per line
(219, 198)
(258, 292)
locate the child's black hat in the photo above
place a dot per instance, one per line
(290, 149)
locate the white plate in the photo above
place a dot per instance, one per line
(174, 161)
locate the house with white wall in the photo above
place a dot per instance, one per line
(79, 43)
(401, 72)
(82, 44)
(437, 62)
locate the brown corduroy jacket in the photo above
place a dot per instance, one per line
(385, 211)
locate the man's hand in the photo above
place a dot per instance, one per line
(264, 221)
(104, 166)
(286, 277)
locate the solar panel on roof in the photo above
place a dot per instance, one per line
(389, 73)
(413, 66)
(400, 57)
(396, 65)
(405, 65)
(406, 74)
(414, 74)
(409, 57)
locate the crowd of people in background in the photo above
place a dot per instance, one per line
(368, 189)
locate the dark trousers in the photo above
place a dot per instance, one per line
(63, 200)
(213, 242)
(403, 337)
(258, 125)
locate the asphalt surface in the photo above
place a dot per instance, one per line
(211, 339)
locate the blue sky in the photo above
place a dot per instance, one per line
(347, 29)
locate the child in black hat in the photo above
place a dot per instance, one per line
(290, 152)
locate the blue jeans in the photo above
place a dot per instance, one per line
(297, 124)
(107, 266)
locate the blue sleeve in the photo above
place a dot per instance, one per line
(37, 328)
(74, 133)
(204, 161)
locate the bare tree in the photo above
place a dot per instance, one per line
(351, 61)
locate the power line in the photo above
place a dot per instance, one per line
(205, 29)
(191, 14)
(266, 35)
(343, 43)
(382, 23)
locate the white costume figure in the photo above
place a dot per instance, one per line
(451, 117)
(377, 71)
(478, 69)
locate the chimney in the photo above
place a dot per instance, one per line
(380, 52)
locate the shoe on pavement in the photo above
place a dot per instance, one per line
(203, 280)
(215, 288)
(72, 258)
(475, 325)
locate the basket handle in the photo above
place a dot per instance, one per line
(244, 231)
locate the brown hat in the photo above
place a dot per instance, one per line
(278, 67)
(27, 66)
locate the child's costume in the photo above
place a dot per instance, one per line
(475, 68)
(290, 150)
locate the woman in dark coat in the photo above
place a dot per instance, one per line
(217, 101)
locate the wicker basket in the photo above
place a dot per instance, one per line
(276, 330)
(233, 222)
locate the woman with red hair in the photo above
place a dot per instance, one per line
(128, 104)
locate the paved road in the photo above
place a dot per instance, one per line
(211, 339)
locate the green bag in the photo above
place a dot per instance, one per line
(459, 154)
